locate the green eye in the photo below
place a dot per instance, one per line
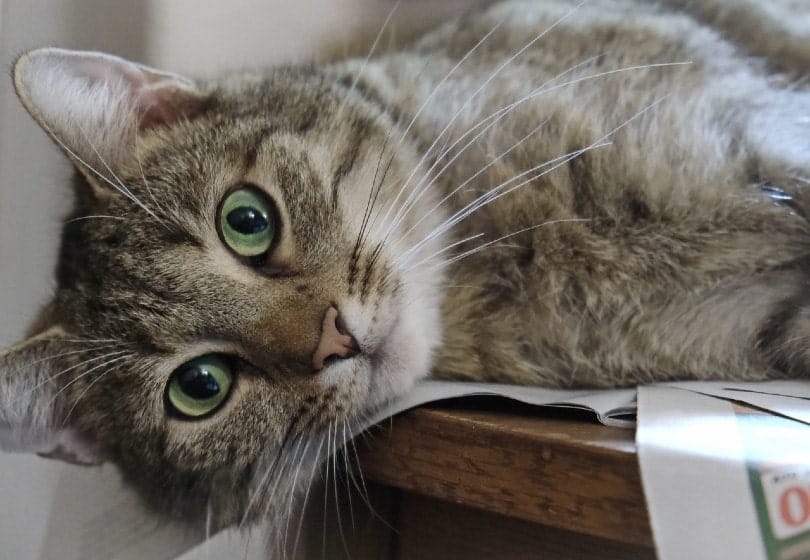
(200, 386)
(246, 222)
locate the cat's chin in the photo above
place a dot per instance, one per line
(404, 356)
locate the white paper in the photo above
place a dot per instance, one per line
(609, 406)
(787, 398)
(723, 481)
(690, 455)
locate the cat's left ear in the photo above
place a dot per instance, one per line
(93, 104)
(35, 416)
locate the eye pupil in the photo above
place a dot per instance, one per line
(199, 387)
(247, 220)
(198, 383)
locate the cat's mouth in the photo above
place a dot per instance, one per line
(395, 347)
(402, 357)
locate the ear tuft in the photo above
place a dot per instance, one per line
(94, 104)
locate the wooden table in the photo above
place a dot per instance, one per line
(513, 482)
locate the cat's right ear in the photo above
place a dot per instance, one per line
(34, 414)
(94, 105)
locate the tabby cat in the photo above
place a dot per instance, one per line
(567, 195)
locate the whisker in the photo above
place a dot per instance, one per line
(326, 489)
(337, 498)
(371, 50)
(471, 177)
(92, 169)
(83, 340)
(312, 476)
(258, 490)
(372, 199)
(346, 466)
(208, 523)
(272, 470)
(500, 114)
(493, 243)
(494, 194)
(437, 253)
(446, 77)
(362, 489)
(472, 96)
(294, 484)
(120, 187)
(489, 197)
(143, 177)
(85, 374)
(90, 386)
(94, 217)
(70, 353)
(51, 377)
(495, 118)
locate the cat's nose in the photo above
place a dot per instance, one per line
(336, 342)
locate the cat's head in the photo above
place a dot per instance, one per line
(237, 281)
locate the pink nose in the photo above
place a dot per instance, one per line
(335, 342)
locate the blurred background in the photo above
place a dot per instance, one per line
(196, 37)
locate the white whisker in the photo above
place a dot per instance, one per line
(494, 242)
(492, 119)
(52, 377)
(326, 489)
(120, 185)
(475, 93)
(371, 50)
(293, 493)
(500, 114)
(93, 217)
(493, 194)
(312, 476)
(85, 374)
(92, 169)
(432, 256)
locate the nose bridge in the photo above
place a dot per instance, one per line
(288, 331)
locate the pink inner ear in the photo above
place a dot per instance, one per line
(157, 98)
(67, 444)
(93, 103)
(74, 447)
(162, 106)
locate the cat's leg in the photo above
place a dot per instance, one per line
(574, 330)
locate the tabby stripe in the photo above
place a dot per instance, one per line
(350, 158)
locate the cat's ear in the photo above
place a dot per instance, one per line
(93, 105)
(33, 414)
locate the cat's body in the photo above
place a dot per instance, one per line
(645, 220)
(657, 273)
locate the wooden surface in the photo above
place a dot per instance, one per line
(563, 473)
(430, 529)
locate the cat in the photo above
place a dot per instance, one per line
(600, 195)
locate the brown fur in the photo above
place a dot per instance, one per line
(672, 243)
